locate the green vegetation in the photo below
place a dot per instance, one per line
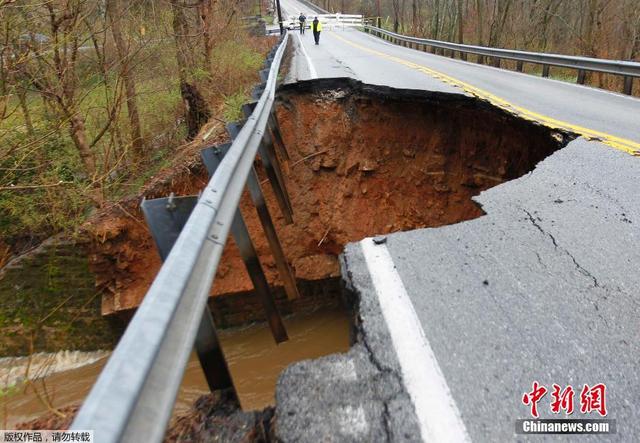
(233, 106)
(68, 141)
(8, 391)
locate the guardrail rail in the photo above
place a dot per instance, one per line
(329, 21)
(134, 396)
(628, 69)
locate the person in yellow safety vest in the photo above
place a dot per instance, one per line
(316, 27)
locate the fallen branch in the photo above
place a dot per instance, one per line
(22, 188)
(308, 157)
(129, 214)
(324, 237)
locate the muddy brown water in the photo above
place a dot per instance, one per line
(254, 359)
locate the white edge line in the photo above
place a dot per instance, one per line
(505, 70)
(312, 70)
(438, 415)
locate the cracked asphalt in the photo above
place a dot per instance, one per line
(544, 287)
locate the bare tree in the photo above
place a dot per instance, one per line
(460, 21)
(115, 13)
(197, 112)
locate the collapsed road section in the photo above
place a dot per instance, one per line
(540, 288)
(364, 160)
(378, 160)
(367, 160)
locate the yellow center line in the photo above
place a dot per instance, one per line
(620, 143)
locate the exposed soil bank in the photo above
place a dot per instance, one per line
(369, 160)
(364, 160)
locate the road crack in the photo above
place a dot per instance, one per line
(581, 269)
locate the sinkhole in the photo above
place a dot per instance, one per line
(366, 160)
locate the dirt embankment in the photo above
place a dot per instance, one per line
(364, 160)
(122, 253)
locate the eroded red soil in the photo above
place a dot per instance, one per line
(363, 161)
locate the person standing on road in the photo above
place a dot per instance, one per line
(316, 27)
(302, 20)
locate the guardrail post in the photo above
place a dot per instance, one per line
(628, 85)
(166, 217)
(257, 196)
(273, 128)
(480, 59)
(284, 270)
(496, 62)
(272, 169)
(276, 136)
(519, 66)
(545, 70)
(463, 56)
(582, 76)
(249, 255)
(240, 232)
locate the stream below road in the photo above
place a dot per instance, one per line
(254, 359)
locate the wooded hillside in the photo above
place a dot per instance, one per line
(96, 95)
(597, 28)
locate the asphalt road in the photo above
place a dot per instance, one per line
(351, 53)
(455, 323)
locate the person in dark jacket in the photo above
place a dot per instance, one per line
(316, 27)
(302, 19)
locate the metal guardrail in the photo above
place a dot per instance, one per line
(329, 21)
(341, 20)
(628, 69)
(134, 395)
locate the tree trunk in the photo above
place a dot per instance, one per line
(396, 15)
(460, 23)
(479, 25)
(79, 137)
(22, 97)
(206, 12)
(414, 16)
(196, 110)
(115, 13)
(435, 27)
